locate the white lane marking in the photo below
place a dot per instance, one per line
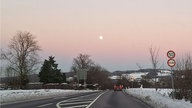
(95, 99)
(79, 100)
(74, 103)
(45, 105)
(81, 97)
(80, 106)
(58, 104)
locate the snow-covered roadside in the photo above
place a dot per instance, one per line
(19, 95)
(158, 99)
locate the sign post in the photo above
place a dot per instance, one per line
(171, 63)
(82, 75)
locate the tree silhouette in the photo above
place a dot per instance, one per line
(22, 56)
(95, 73)
(50, 73)
(154, 56)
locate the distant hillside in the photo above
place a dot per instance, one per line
(71, 74)
(151, 71)
(118, 72)
(123, 72)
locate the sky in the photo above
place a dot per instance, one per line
(66, 28)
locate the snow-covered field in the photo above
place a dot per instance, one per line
(20, 95)
(158, 99)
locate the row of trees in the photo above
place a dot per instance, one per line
(22, 59)
(183, 78)
(95, 73)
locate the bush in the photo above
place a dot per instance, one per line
(178, 95)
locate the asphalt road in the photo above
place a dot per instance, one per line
(82, 100)
(118, 99)
(103, 99)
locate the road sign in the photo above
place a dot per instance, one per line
(171, 62)
(171, 54)
(82, 74)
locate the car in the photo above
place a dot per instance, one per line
(118, 87)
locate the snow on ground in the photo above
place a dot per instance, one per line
(158, 99)
(19, 95)
(164, 73)
(134, 76)
(137, 75)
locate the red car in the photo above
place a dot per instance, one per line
(118, 88)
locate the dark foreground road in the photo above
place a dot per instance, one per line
(118, 99)
(102, 99)
(73, 101)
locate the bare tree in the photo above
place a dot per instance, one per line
(154, 56)
(184, 63)
(95, 73)
(184, 77)
(82, 61)
(99, 75)
(22, 56)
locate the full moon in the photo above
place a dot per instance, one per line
(101, 37)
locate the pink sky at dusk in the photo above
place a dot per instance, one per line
(65, 28)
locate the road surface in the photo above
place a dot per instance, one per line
(118, 99)
(81, 100)
(102, 99)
